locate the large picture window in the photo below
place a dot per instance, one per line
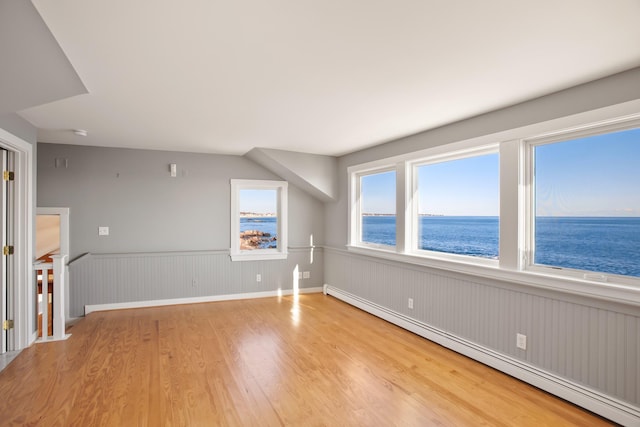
(458, 206)
(558, 210)
(258, 219)
(587, 203)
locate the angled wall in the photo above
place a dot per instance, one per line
(314, 173)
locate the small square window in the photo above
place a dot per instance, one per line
(258, 219)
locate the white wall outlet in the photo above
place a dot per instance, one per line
(521, 341)
(103, 231)
(410, 303)
(300, 275)
(258, 277)
(306, 274)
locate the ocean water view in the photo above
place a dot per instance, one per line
(599, 244)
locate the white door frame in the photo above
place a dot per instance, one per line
(22, 301)
(64, 246)
(4, 307)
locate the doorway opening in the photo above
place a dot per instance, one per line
(52, 239)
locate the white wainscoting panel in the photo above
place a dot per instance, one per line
(99, 279)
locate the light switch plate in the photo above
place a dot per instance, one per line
(103, 231)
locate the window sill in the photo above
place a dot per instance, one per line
(258, 256)
(608, 291)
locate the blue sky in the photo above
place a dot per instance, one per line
(593, 176)
(462, 187)
(465, 187)
(258, 201)
(379, 193)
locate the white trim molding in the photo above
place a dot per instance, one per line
(21, 303)
(593, 400)
(196, 300)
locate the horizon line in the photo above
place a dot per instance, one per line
(497, 216)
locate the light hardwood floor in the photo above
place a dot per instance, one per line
(264, 362)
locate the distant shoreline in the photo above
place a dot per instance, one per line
(257, 215)
(370, 214)
(384, 214)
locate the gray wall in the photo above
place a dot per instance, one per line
(19, 127)
(132, 193)
(582, 339)
(316, 174)
(147, 212)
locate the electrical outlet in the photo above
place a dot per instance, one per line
(300, 275)
(258, 277)
(410, 303)
(306, 274)
(521, 341)
(103, 231)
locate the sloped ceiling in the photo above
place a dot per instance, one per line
(314, 173)
(33, 68)
(325, 77)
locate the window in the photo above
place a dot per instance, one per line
(560, 210)
(377, 209)
(458, 206)
(586, 204)
(258, 219)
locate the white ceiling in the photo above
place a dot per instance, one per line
(324, 76)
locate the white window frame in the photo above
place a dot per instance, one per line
(355, 207)
(414, 219)
(529, 146)
(280, 252)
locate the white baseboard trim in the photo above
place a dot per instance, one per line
(590, 399)
(213, 298)
(52, 339)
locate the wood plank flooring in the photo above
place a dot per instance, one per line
(306, 361)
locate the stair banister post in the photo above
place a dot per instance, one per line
(44, 306)
(58, 296)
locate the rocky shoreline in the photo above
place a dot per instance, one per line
(256, 239)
